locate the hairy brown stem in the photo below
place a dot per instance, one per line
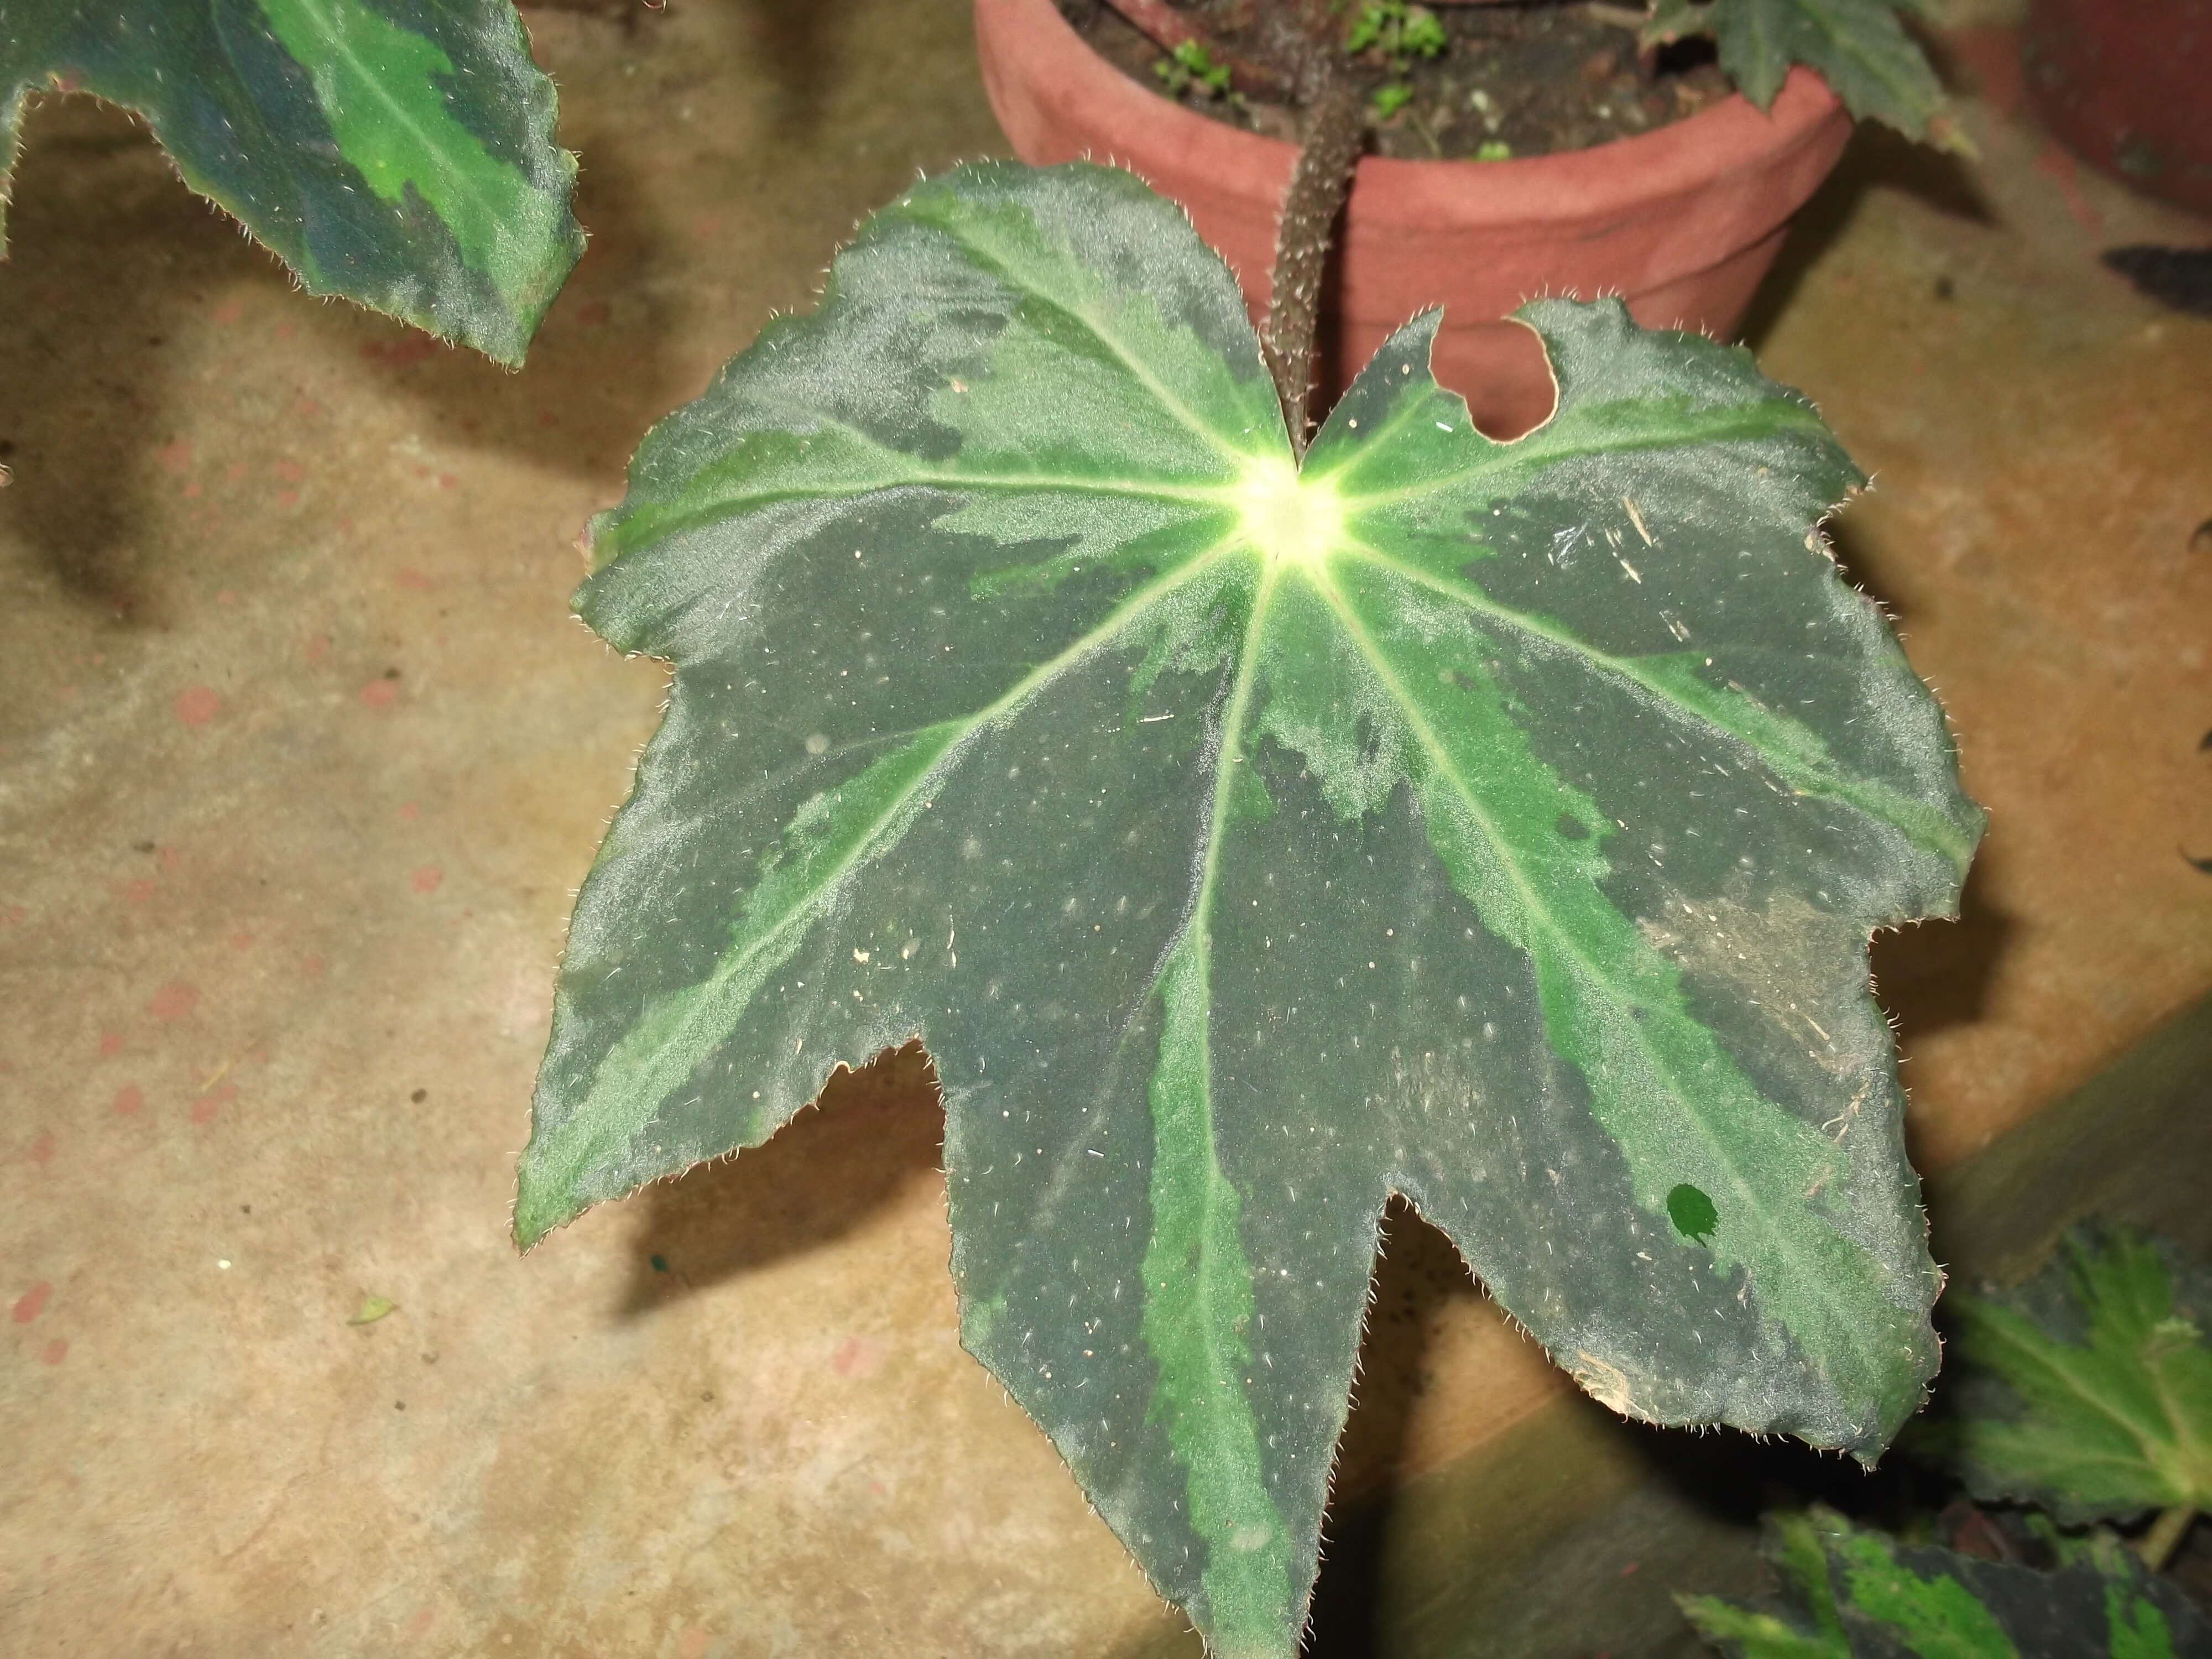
(1319, 183)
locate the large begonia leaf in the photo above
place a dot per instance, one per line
(2089, 1389)
(397, 152)
(1859, 47)
(1498, 824)
(1853, 1593)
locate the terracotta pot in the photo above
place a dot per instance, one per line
(2127, 84)
(1682, 221)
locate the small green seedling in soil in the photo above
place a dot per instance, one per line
(1191, 67)
(1398, 33)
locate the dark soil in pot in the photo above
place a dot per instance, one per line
(1511, 81)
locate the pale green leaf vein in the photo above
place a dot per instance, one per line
(1845, 1316)
(1802, 771)
(616, 1107)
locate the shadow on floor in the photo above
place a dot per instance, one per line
(871, 1132)
(86, 397)
(1937, 975)
(1877, 158)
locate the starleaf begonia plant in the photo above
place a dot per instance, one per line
(1250, 840)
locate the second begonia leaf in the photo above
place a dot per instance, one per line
(400, 155)
(1855, 1593)
(2088, 1390)
(1499, 825)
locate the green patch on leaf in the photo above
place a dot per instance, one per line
(1497, 824)
(2088, 1390)
(1846, 1591)
(1692, 1213)
(403, 158)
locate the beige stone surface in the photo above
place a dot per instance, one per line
(300, 759)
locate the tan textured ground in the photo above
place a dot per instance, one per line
(299, 759)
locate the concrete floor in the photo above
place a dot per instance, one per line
(300, 759)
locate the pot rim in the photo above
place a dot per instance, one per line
(1617, 176)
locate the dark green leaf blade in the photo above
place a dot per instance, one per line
(1229, 846)
(1681, 769)
(401, 157)
(1853, 1593)
(1857, 46)
(2088, 1390)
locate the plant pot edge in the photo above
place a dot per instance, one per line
(1682, 221)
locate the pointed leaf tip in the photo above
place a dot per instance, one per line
(413, 159)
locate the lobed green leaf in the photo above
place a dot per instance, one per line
(398, 154)
(1859, 47)
(2088, 1390)
(1849, 1592)
(1498, 824)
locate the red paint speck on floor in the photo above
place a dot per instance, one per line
(290, 471)
(32, 1303)
(414, 579)
(852, 1354)
(692, 1644)
(128, 1100)
(110, 1042)
(418, 1625)
(408, 809)
(13, 913)
(312, 966)
(174, 1001)
(197, 704)
(168, 858)
(378, 694)
(288, 498)
(229, 311)
(449, 481)
(426, 878)
(203, 1108)
(55, 1352)
(42, 1149)
(138, 891)
(240, 941)
(175, 457)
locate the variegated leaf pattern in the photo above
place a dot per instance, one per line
(1498, 824)
(396, 152)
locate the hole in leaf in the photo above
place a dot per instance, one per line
(1692, 1213)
